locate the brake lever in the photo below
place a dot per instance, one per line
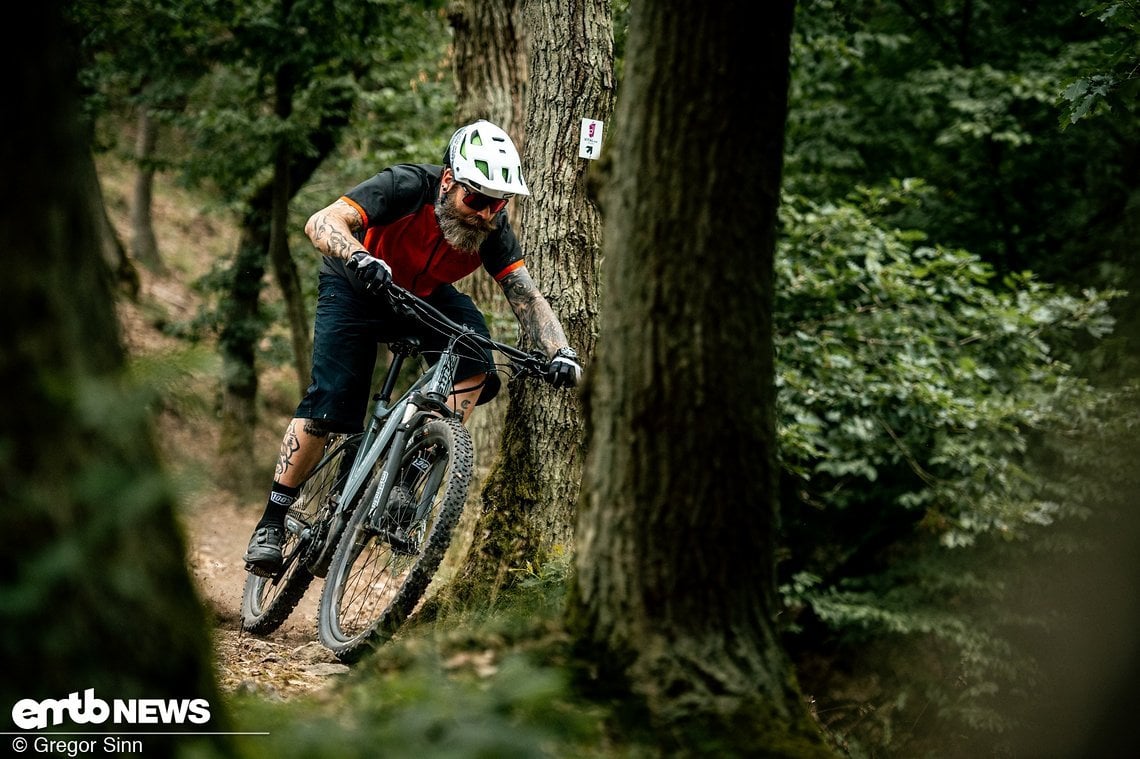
(535, 365)
(400, 302)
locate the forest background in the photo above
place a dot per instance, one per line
(955, 331)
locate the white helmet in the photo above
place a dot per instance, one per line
(482, 156)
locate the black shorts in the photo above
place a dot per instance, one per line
(348, 327)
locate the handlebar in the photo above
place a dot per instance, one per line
(403, 300)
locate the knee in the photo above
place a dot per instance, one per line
(491, 386)
(316, 427)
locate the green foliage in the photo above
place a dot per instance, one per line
(1117, 59)
(518, 710)
(965, 96)
(915, 391)
(145, 53)
(382, 57)
(902, 365)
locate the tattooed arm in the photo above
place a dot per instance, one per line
(331, 230)
(533, 311)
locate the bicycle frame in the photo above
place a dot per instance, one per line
(387, 431)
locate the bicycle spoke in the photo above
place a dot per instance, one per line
(376, 577)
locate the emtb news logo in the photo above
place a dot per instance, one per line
(29, 714)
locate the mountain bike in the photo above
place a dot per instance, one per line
(377, 513)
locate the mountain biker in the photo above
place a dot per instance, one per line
(423, 227)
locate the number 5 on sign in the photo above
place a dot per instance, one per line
(590, 143)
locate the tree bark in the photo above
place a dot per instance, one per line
(674, 597)
(528, 500)
(94, 583)
(489, 63)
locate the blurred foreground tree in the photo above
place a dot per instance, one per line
(95, 592)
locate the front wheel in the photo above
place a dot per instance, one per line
(268, 601)
(383, 566)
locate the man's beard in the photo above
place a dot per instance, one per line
(463, 233)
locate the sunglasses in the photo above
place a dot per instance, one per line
(477, 201)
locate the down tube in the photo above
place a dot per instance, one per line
(364, 466)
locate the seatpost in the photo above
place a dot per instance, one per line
(385, 395)
(401, 349)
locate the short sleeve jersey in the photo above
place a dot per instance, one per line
(398, 209)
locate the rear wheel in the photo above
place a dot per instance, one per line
(268, 601)
(380, 571)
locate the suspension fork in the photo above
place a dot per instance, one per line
(379, 504)
(420, 407)
(430, 401)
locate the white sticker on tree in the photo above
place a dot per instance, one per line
(590, 143)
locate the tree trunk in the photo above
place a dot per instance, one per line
(241, 330)
(674, 598)
(117, 264)
(95, 589)
(528, 500)
(284, 268)
(489, 63)
(144, 244)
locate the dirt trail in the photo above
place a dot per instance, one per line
(281, 664)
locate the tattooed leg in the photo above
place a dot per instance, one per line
(465, 395)
(301, 449)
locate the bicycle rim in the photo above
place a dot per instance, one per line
(268, 601)
(377, 581)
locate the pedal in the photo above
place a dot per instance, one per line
(253, 569)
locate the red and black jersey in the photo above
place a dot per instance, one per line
(398, 208)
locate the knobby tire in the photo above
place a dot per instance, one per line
(372, 587)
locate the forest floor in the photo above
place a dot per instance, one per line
(278, 665)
